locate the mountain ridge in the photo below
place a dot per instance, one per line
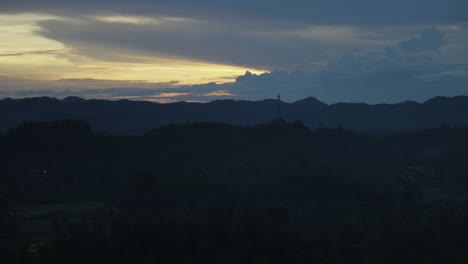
(136, 117)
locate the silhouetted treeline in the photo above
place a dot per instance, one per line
(209, 192)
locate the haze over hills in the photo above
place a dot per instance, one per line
(134, 117)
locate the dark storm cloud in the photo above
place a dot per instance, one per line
(369, 12)
(380, 75)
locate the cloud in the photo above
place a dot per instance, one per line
(388, 74)
(21, 86)
(430, 39)
(99, 84)
(239, 44)
(127, 19)
(219, 93)
(171, 94)
(33, 52)
(323, 12)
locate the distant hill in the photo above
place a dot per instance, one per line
(120, 117)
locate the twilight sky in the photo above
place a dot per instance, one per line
(335, 50)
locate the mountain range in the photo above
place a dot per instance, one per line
(135, 117)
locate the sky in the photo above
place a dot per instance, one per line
(369, 51)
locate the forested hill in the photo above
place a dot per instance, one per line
(66, 160)
(217, 193)
(121, 117)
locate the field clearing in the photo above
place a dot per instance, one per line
(37, 220)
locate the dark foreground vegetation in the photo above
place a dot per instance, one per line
(215, 193)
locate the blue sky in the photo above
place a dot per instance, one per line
(164, 51)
